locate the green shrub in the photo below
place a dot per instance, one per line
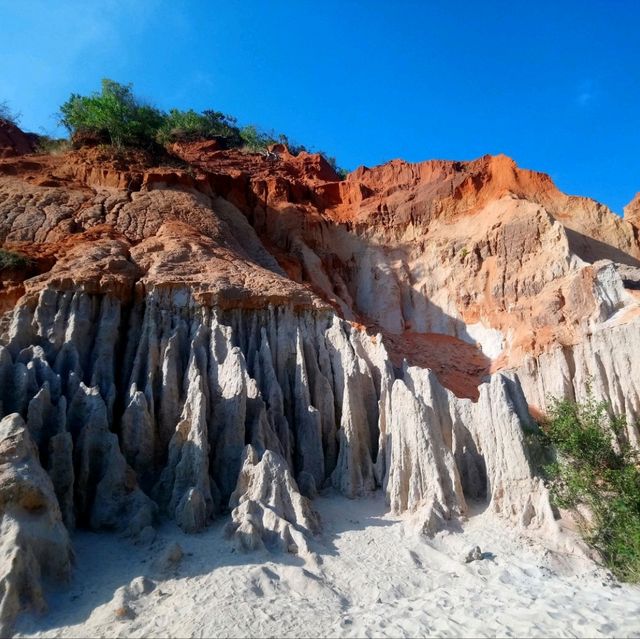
(294, 148)
(187, 126)
(115, 115)
(116, 111)
(8, 115)
(597, 468)
(340, 172)
(48, 144)
(256, 140)
(13, 261)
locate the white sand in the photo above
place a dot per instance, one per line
(374, 579)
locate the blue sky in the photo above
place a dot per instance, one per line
(553, 84)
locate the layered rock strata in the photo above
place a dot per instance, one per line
(236, 334)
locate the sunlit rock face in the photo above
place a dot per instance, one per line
(230, 338)
(34, 542)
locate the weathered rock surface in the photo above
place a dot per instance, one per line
(242, 333)
(444, 449)
(632, 211)
(605, 363)
(198, 385)
(268, 511)
(33, 540)
(475, 554)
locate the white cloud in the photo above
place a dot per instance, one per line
(586, 93)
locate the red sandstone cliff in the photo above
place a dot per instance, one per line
(481, 252)
(227, 331)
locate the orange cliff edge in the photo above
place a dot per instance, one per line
(463, 267)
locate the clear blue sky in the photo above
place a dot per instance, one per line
(553, 84)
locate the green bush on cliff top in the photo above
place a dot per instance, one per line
(114, 113)
(8, 115)
(187, 126)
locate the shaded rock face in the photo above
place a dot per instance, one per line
(14, 142)
(156, 404)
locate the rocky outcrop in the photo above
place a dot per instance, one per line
(422, 474)
(216, 347)
(603, 365)
(244, 332)
(198, 384)
(482, 252)
(632, 211)
(33, 540)
(444, 450)
(267, 509)
(65, 390)
(14, 142)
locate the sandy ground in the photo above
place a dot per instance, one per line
(372, 578)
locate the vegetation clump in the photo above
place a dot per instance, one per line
(13, 261)
(8, 115)
(114, 111)
(51, 145)
(253, 139)
(188, 126)
(116, 116)
(596, 474)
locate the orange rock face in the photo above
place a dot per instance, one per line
(464, 267)
(632, 211)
